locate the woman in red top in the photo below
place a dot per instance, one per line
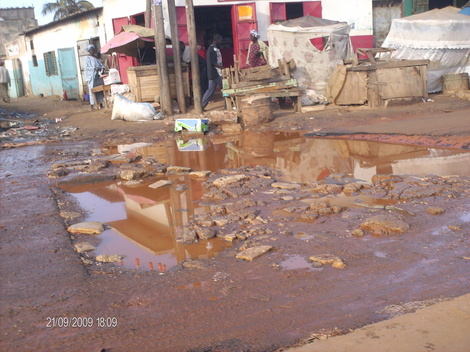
(257, 51)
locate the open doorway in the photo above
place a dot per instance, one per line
(220, 23)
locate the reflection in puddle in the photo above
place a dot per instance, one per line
(145, 221)
(307, 159)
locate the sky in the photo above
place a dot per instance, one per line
(38, 4)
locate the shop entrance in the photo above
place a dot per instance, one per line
(212, 20)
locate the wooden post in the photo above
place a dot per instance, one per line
(194, 57)
(160, 47)
(148, 13)
(176, 56)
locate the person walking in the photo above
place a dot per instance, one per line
(5, 82)
(93, 68)
(257, 51)
(214, 69)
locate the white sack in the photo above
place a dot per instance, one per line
(125, 109)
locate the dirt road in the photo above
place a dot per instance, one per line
(226, 303)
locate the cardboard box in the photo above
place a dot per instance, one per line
(193, 125)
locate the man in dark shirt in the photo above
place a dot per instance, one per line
(214, 69)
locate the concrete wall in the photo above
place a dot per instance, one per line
(383, 17)
(14, 21)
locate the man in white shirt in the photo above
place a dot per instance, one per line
(4, 83)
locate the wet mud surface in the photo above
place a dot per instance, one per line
(342, 250)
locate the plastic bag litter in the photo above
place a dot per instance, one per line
(125, 109)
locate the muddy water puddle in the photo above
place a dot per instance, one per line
(144, 222)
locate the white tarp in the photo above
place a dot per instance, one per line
(440, 35)
(317, 45)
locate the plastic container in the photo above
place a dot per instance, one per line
(113, 77)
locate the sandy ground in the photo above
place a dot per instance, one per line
(224, 304)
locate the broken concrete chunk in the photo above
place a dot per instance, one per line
(196, 264)
(160, 183)
(328, 189)
(253, 252)
(229, 237)
(352, 188)
(224, 181)
(357, 233)
(89, 228)
(435, 210)
(188, 236)
(454, 227)
(286, 185)
(200, 174)
(84, 247)
(328, 259)
(178, 170)
(206, 234)
(69, 214)
(385, 225)
(113, 258)
(132, 174)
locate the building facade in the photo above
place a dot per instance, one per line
(234, 20)
(52, 56)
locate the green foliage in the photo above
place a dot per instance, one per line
(64, 8)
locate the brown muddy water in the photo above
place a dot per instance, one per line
(144, 222)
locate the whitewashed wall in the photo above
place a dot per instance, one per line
(64, 34)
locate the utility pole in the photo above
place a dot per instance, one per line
(148, 13)
(176, 56)
(160, 48)
(194, 57)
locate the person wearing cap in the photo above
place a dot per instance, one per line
(93, 68)
(4, 83)
(257, 51)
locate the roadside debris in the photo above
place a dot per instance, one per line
(253, 252)
(325, 259)
(385, 225)
(113, 258)
(89, 228)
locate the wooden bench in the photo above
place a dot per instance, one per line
(106, 89)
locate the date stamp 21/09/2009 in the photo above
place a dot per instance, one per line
(81, 322)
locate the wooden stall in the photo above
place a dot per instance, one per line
(378, 83)
(143, 82)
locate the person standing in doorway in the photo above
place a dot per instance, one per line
(4, 83)
(257, 51)
(93, 68)
(214, 69)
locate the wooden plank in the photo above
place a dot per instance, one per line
(388, 64)
(354, 90)
(373, 91)
(261, 82)
(276, 85)
(402, 82)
